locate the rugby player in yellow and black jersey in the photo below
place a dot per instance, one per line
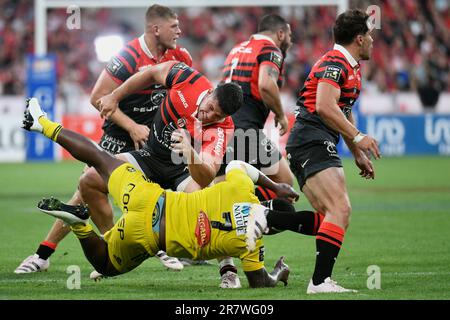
(206, 224)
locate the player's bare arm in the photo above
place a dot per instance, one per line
(270, 94)
(328, 109)
(156, 74)
(104, 86)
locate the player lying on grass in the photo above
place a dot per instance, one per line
(223, 220)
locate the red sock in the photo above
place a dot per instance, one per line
(264, 194)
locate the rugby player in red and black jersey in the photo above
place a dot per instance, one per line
(323, 115)
(257, 66)
(128, 129)
(193, 121)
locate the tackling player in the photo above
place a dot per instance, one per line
(129, 127)
(214, 222)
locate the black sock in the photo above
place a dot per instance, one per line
(300, 221)
(283, 216)
(44, 251)
(328, 243)
(227, 268)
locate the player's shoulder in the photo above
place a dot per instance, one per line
(336, 57)
(239, 178)
(134, 45)
(181, 54)
(263, 43)
(226, 124)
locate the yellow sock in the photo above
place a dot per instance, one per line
(82, 231)
(51, 129)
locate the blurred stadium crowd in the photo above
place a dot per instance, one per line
(412, 49)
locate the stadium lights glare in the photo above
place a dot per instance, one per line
(107, 46)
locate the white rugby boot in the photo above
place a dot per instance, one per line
(170, 263)
(32, 264)
(32, 114)
(230, 280)
(327, 286)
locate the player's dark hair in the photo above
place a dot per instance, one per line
(157, 11)
(272, 23)
(350, 24)
(230, 97)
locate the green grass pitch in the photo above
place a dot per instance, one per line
(400, 224)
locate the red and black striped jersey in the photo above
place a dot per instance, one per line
(338, 68)
(242, 66)
(188, 88)
(134, 57)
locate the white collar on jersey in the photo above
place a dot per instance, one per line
(346, 54)
(258, 36)
(144, 47)
(201, 97)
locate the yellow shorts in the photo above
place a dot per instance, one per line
(132, 239)
(190, 216)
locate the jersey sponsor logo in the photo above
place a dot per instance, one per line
(331, 148)
(157, 97)
(166, 134)
(332, 73)
(241, 212)
(131, 169)
(182, 99)
(221, 139)
(114, 65)
(261, 254)
(241, 49)
(181, 122)
(112, 145)
(276, 58)
(203, 229)
(145, 109)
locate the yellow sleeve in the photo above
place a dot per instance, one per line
(240, 178)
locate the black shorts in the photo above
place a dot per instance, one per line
(116, 144)
(309, 156)
(251, 146)
(164, 173)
